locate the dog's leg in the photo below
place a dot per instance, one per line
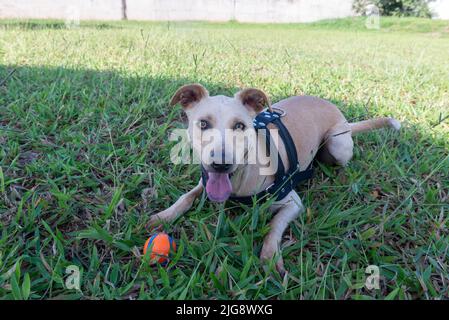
(289, 209)
(338, 146)
(183, 204)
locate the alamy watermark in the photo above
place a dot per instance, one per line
(373, 280)
(227, 146)
(72, 17)
(73, 280)
(372, 17)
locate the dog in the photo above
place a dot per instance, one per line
(316, 126)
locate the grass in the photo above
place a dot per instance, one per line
(84, 160)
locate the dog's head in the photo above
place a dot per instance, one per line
(221, 130)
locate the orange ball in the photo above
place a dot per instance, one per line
(160, 245)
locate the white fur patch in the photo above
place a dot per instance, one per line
(395, 123)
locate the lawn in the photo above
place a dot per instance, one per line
(84, 160)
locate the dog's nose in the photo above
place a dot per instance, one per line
(221, 167)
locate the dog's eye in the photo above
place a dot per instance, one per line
(239, 126)
(204, 124)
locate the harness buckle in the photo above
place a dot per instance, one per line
(270, 186)
(281, 112)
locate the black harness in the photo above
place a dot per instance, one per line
(284, 181)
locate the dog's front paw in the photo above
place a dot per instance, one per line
(159, 218)
(154, 221)
(271, 251)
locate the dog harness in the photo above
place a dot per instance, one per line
(284, 181)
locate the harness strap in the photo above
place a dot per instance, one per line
(281, 169)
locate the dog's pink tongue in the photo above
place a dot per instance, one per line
(218, 186)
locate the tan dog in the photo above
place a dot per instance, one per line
(317, 127)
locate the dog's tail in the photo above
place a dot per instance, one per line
(373, 124)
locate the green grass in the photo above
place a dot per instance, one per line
(84, 160)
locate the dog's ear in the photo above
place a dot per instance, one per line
(188, 95)
(254, 99)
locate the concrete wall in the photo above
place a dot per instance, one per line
(240, 10)
(212, 10)
(62, 9)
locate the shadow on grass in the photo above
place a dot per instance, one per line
(78, 113)
(84, 131)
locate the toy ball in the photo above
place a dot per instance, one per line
(160, 245)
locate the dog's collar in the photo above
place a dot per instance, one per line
(284, 181)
